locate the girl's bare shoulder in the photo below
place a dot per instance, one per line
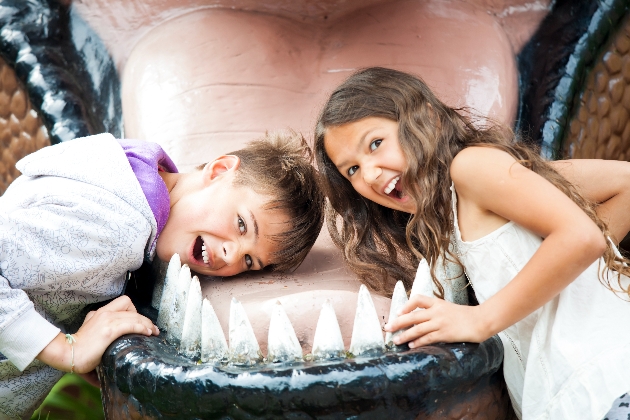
(478, 162)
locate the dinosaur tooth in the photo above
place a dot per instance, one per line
(367, 333)
(168, 291)
(244, 348)
(282, 343)
(328, 342)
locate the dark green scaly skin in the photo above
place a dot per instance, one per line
(554, 64)
(36, 40)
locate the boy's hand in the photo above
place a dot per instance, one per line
(91, 378)
(440, 322)
(99, 330)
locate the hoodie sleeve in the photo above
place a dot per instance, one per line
(64, 244)
(23, 332)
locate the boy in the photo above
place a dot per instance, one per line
(87, 211)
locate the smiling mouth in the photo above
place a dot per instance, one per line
(394, 189)
(199, 251)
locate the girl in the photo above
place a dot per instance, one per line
(408, 177)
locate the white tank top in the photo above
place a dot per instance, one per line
(570, 359)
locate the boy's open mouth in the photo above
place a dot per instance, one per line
(199, 251)
(394, 189)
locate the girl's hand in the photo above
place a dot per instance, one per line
(440, 322)
(99, 330)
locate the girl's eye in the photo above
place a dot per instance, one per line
(242, 227)
(374, 145)
(352, 170)
(248, 261)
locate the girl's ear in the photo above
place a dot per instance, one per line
(221, 165)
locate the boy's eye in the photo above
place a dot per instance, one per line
(248, 261)
(374, 145)
(352, 170)
(242, 227)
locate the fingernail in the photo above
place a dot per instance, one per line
(411, 345)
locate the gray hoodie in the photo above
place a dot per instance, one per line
(70, 228)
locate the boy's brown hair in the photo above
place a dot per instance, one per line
(280, 165)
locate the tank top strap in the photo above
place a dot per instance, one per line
(457, 237)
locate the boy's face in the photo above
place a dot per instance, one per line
(217, 228)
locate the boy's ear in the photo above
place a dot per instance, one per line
(221, 165)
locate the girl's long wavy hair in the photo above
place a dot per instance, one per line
(382, 245)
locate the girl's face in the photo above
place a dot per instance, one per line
(367, 152)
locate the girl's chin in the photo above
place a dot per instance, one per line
(404, 203)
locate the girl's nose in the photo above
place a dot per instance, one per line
(230, 252)
(371, 173)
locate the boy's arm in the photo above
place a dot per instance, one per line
(99, 330)
(606, 183)
(23, 331)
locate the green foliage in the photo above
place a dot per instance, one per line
(72, 398)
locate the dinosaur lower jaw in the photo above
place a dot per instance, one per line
(192, 325)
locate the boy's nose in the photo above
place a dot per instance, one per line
(371, 173)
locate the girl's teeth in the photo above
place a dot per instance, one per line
(204, 253)
(392, 185)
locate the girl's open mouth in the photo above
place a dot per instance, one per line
(394, 189)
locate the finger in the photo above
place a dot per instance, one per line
(407, 320)
(124, 327)
(109, 319)
(416, 332)
(121, 303)
(137, 318)
(433, 337)
(89, 316)
(417, 301)
(91, 378)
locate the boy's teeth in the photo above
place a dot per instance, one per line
(392, 185)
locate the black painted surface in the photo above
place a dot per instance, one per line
(68, 73)
(148, 377)
(554, 63)
(72, 81)
(158, 383)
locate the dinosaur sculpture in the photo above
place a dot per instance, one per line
(268, 66)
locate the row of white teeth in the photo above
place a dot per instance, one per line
(392, 185)
(193, 327)
(204, 253)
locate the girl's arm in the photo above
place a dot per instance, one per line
(606, 183)
(491, 185)
(99, 330)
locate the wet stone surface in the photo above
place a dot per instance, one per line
(144, 377)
